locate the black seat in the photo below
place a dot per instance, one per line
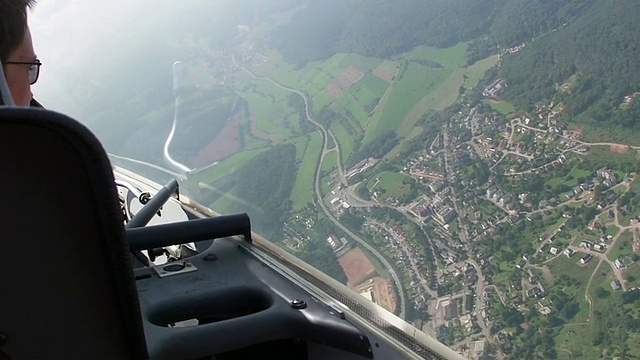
(67, 284)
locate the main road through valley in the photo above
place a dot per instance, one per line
(325, 148)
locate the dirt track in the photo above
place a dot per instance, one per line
(356, 266)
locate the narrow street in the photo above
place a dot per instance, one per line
(463, 238)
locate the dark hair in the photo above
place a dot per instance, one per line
(13, 24)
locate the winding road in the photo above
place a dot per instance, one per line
(318, 193)
(517, 122)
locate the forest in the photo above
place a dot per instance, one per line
(317, 253)
(263, 183)
(599, 50)
(382, 28)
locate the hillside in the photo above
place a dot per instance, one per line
(591, 42)
(600, 48)
(381, 28)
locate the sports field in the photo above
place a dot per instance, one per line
(356, 266)
(390, 184)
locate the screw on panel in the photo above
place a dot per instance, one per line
(210, 257)
(298, 304)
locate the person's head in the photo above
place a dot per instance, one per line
(16, 49)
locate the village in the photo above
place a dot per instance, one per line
(472, 181)
(486, 172)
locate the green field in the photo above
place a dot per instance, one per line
(429, 78)
(476, 72)
(326, 184)
(311, 79)
(576, 174)
(390, 183)
(487, 207)
(575, 339)
(570, 179)
(351, 108)
(319, 101)
(602, 278)
(619, 189)
(449, 57)
(301, 144)
(388, 66)
(200, 75)
(269, 108)
(502, 107)
(564, 266)
(407, 91)
(418, 88)
(329, 163)
(604, 153)
(623, 248)
(303, 188)
(314, 78)
(345, 139)
(364, 96)
(635, 185)
(612, 230)
(416, 131)
(363, 63)
(374, 84)
(441, 97)
(225, 166)
(225, 204)
(329, 172)
(367, 92)
(595, 132)
(573, 342)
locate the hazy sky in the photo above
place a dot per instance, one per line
(66, 31)
(74, 38)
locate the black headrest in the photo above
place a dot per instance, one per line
(67, 283)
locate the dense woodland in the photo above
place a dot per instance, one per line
(600, 49)
(383, 28)
(378, 27)
(317, 253)
(265, 184)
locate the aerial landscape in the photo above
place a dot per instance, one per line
(470, 166)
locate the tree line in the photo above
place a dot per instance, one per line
(383, 28)
(262, 188)
(598, 50)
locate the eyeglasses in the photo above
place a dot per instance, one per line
(34, 68)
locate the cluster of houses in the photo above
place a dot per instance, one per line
(338, 246)
(434, 208)
(609, 178)
(456, 313)
(500, 197)
(494, 89)
(339, 205)
(419, 168)
(296, 231)
(362, 166)
(629, 99)
(407, 253)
